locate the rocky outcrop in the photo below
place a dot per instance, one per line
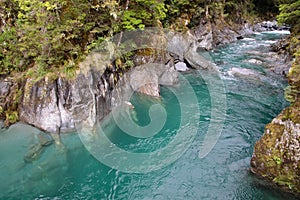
(144, 79)
(56, 104)
(10, 93)
(276, 155)
(269, 26)
(43, 105)
(210, 34)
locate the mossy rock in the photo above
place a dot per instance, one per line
(277, 154)
(292, 113)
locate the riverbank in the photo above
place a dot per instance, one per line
(276, 155)
(223, 173)
(54, 105)
(51, 102)
(55, 72)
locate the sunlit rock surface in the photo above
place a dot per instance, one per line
(277, 154)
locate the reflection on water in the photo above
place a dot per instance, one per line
(71, 172)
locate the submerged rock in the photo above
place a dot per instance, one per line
(33, 153)
(44, 139)
(36, 149)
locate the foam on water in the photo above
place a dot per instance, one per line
(283, 32)
(248, 39)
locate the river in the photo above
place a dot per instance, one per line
(253, 98)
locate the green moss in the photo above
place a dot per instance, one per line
(291, 113)
(292, 92)
(272, 158)
(52, 76)
(146, 52)
(11, 117)
(284, 181)
(69, 69)
(277, 160)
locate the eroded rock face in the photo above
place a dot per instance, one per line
(211, 34)
(91, 97)
(145, 79)
(55, 105)
(10, 93)
(277, 154)
(39, 105)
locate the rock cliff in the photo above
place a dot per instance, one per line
(55, 104)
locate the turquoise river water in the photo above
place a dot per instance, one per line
(73, 173)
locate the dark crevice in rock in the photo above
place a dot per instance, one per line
(57, 103)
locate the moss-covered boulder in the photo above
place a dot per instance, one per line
(277, 154)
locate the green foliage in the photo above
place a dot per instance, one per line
(143, 13)
(284, 181)
(131, 20)
(49, 35)
(290, 14)
(11, 117)
(290, 93)
(184, 9)
(266, 8)
(52, 34)
(10, 56)
(70, 69)
(277, 160)
(198, 10)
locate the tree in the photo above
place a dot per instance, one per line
(266, 8)
(290, 14)
(141, 13)
(54, 33)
